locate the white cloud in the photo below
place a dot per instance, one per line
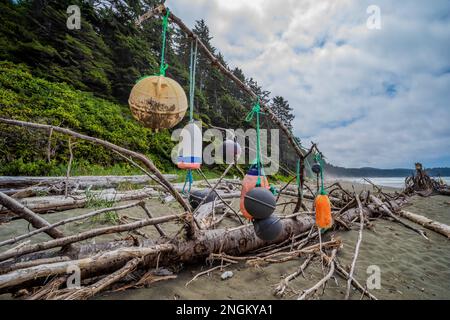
(368, 97)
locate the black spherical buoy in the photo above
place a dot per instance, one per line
(316, 168)
(268, 229)
(196, 197)
(260, 203)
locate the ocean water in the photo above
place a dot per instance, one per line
(394, 182)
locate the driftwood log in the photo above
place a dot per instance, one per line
(426, 223)
(80, 182)
(51, 204)
(25, 213)
(59, 203)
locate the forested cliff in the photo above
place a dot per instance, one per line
(81, 79)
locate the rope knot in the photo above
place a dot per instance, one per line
(318, 159)
(255, 110)
(162, 69)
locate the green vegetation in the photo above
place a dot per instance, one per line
(110, 217)
(26, 97)
(94, 201)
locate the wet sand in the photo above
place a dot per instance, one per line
(411, 267)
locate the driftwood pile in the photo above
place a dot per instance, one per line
(422, 184)
(41, 270)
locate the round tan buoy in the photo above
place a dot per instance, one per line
(158, 102)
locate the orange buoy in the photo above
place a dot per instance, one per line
(323, 211)
(158, 102)
(249, 182)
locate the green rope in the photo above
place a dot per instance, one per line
(163, 66)
(192, 67)
(256, 110)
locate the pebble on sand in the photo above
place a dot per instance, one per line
(226, 275)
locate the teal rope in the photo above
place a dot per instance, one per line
(189, 180)
(318, 158)
(163, 66)
(322, 190)
(192, 67)
(273, 190)
(257, 110)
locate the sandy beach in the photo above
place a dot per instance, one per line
(411, 267)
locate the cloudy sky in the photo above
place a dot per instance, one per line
(369, 97)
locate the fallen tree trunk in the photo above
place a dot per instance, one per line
(82, 182)
(32, 263)
(380, 205)
(58, 189)
(60, 203)
(196, 187)
(426, 222)
(9, 182)
(49, 204)
(101, 285)
(87, 265)
(70, 220)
